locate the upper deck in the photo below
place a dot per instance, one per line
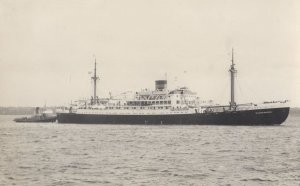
(160, 101)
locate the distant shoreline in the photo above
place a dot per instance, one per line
(30, 110)
(20, 110)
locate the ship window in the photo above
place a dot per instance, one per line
(157, 102)
(177, 101)
(169, 102)
(161, 102)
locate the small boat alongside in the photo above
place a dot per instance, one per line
(46, 116)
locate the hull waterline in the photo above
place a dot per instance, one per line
(272, 116)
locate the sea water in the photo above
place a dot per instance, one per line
(70, 154)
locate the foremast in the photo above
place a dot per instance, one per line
(232, 71)
(95, 78)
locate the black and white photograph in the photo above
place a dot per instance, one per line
(149, 92)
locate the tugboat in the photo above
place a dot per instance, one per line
(180, 106)
(45, 116)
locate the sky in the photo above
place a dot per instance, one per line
(48, 48)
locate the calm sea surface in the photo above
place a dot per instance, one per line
(57, 154)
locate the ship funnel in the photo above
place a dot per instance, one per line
(161, 85)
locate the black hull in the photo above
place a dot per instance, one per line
(272, 116)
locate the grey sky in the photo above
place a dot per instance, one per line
(47, 48)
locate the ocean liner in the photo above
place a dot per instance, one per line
(180, 106)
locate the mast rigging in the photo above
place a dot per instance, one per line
(95, 78)
(232, 71)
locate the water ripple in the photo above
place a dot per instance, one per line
(57, 154)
